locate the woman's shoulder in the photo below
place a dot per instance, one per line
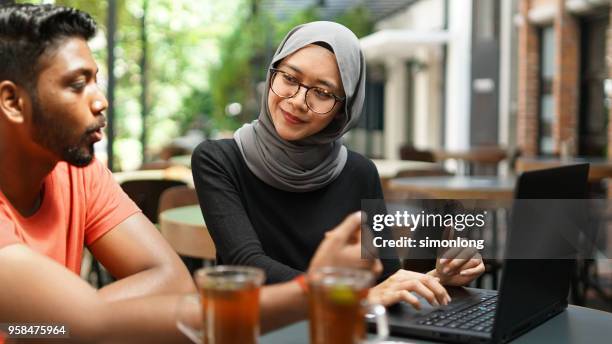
(216, 151)
(358, 163)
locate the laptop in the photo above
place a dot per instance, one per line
(532, 290)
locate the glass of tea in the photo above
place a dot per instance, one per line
(338, 307)
(229, 303)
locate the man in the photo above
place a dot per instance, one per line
(55, 197)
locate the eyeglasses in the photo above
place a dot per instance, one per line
(318, 100)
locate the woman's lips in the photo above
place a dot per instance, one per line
(290, 118)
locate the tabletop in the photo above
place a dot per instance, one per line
(457, 187)
(184, 228)
(183, 160)
(389, 168)
(174, 173)
(575, 325)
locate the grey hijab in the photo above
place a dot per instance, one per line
(313, 162)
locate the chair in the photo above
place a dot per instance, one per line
(408, 152)
(194, 245)
(481, 160)
(177, 196)
(156, 165)
(146, 194)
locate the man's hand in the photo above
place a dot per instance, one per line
(341, 247)
(399, 286)
(458, 266)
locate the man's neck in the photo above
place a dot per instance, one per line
(22, 178)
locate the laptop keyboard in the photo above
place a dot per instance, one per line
(477, 317)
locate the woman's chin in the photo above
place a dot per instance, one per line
(289, 134)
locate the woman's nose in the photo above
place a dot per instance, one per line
(299, 100)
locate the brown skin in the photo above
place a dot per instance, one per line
(66, 299)
(69, 106)
(141, 305)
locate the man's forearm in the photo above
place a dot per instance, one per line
(282, 304)
(144, 320)
(154, 281)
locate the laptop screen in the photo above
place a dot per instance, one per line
(531, 288)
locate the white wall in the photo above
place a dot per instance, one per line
(425, 15)
(508, 71)
(395, 107)
(457, 131)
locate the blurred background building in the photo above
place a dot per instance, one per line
(529, 76)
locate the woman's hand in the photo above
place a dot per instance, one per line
(341, 247)
(458, 266)
(398, 287)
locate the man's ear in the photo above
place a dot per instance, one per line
(12, 102)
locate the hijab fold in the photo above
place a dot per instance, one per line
(313, 162)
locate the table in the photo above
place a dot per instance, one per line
(457, 187)
(174, 173)
(389, 169)
(183, 160)
(575, 325)
(485, 155)
(185, 230)
(599, 168)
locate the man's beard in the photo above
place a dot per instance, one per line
(49, 133)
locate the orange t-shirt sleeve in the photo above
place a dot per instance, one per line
(107, 204)
(7, 232)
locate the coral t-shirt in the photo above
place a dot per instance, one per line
(79, 206)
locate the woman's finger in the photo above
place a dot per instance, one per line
(449, 255)
(477, 270)
(458, 263)
(438, 289)
(418, 287)
(404, 295)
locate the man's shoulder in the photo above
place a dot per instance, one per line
(67, 174)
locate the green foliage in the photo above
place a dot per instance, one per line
(306, 15)
(244, 58)
(358, 19)
(246, 53)
(202, 56)
(183, 42)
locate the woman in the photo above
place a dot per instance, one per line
(269, 195)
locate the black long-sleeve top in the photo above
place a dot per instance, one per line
(255, 224)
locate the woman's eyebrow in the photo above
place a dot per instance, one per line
(326, 83)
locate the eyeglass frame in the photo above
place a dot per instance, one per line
(274, 71)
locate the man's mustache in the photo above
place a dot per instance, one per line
(100, 125)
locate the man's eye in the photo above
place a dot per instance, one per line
(77, 86)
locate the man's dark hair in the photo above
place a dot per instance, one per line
(28, 31)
